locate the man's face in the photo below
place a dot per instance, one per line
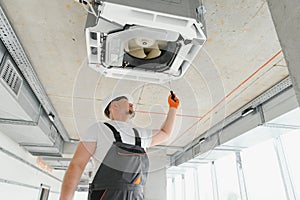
(126, 107)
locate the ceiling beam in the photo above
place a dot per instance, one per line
(286, 17)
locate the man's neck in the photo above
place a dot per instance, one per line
(121, 118)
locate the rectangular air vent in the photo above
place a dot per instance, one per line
(11, 77)
(196, 150)
(53, 133)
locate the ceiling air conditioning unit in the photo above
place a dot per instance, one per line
(144, 40)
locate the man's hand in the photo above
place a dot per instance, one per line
(173, 100)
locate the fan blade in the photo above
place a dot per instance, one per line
(133, 45)
(134, 50)
(138, 53)
(154, 51)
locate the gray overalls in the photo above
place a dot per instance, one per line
(123, 172)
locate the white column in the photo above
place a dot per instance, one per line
(286, 17)
(156, 186)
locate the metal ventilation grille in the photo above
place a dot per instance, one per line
(53, 134)
(10, 76)
(196, 150)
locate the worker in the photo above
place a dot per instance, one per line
(121, 165)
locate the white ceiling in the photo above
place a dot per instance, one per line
(240, 60)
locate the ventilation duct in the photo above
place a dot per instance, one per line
(146, 40)
(22, 118)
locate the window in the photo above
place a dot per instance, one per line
(270, 169)
(262, 172)
(190, 183)
(170, 188)
(205, 182)
(291, 143)
(227, 178)
(179, 187)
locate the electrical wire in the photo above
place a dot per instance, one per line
(92, 8)
(170, 85)
(93, 12)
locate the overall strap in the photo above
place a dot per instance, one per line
(115, 132)
(137, 137)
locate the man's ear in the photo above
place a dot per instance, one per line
(114, 105)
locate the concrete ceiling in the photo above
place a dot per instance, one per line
(241, 59)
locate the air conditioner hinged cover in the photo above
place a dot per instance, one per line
(142, 42)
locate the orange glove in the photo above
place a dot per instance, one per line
(173, 100)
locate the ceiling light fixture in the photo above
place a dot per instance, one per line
(51, 117)
(247, 111)
(202, 140)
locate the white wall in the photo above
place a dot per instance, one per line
(12, 169)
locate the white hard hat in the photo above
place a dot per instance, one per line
(113, 97)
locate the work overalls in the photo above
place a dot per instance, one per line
(123, 172)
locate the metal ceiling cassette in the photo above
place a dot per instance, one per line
(151, 41)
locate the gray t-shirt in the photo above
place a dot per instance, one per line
(104, 138)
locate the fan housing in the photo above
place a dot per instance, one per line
(146, 42)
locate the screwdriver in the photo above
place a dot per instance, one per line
(172, 95)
